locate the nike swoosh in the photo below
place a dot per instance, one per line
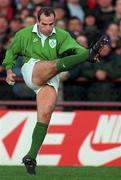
(90, 157)
(35, 40)
(64, 65)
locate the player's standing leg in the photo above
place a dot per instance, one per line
(46, 100)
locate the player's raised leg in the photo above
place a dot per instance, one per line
(45, 70)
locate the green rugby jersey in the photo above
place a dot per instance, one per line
(29, 44)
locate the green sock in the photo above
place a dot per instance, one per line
(38, 136)
(69, 62)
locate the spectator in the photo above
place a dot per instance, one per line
(104, 13)
(3, 28)
(23, 13)
(75, 9)
(61, 23)
(90, 28)
(89, 6)
(60, 12)
(82, 40)
(74, 26)
(117, 16)
(15, 25)
(29, 20)
(24, 4)
(113, 31)
(6, 9)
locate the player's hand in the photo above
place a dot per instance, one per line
(10, 79)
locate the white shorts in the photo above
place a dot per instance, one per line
(26, 71)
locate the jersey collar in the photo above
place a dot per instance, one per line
(35, 30)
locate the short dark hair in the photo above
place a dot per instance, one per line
(46, 10)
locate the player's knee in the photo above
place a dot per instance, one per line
(37, 81)
(46, 114)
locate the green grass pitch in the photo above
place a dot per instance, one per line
(61, 173)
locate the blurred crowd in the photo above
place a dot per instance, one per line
(84, 20)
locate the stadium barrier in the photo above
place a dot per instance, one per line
(62, 103)
(68, 103)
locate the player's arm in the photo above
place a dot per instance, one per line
(69, 46)
(10, 59)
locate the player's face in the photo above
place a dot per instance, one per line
(46, 24)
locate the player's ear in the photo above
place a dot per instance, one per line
(37, 19)
(38, 22)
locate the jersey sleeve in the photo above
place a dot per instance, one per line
(12, 53)
(69, 46)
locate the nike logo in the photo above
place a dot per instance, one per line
(88, 156)
(35, 40)
(64, 66)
